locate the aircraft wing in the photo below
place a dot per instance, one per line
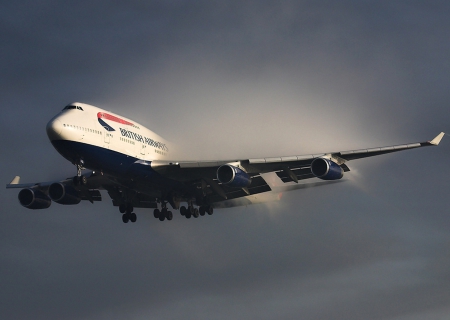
(288, 169)
(340, 157)
(15, 183)
(89, 192)
(199, 179)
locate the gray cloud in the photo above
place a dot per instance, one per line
(234, 80)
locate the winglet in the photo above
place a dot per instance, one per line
(15, 183)
(438, 139)
(16, 180)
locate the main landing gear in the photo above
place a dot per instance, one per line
(190, 211)
(128, 214)
(163, 214)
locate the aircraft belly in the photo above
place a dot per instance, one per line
(115, 164)
(94, 157)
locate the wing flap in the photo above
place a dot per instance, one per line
(300, 173)
(258, 185)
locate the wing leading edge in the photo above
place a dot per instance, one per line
(288, 169)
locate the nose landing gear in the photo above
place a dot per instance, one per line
(79, 180)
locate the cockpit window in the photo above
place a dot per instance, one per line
(73, 107)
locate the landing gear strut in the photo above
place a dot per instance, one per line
(79, 179)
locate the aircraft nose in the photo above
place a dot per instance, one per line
(54, 128)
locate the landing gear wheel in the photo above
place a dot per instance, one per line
(188, 215)
(202, 211)
(132, 217)
(156, 213)
(83, 180)
(210, 210)
(125, 218)
(163, 214)
(196, 214)
(122, 208)
(169, 215)
(183, 210)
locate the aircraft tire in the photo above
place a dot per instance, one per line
(196, 214)
(188, 215)
(156, 213)
(162, 217)
(183, 210)
(133, 217)
(169, 215)
(202, 211)
(125, 218)
(210, 210)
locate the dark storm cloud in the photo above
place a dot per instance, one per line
(234, 79)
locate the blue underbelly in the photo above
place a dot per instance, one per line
(94, 157)
(116, 164)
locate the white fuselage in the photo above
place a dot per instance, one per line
(96, 127)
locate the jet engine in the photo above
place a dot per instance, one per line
(233, 176)
(63, 194)
(326, 169)
(33, 198)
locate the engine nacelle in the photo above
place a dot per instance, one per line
(33, 198)
(63, 194)
(233, 177)
(326, 169)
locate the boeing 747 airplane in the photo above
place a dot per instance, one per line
(134, 165)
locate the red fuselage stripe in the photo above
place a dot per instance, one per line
(102, 115)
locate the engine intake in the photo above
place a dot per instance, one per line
(233, 176)
(63, 194)
(326, 169)
(33, 198)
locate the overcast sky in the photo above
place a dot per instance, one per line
(222, 80)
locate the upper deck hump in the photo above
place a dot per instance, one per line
(115, 122)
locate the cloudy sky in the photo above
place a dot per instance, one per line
(234, 79)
